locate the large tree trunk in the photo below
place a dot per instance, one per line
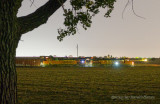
(11, 29)
(8, 77)
(8, 42)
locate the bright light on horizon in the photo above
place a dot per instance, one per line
(116, 63)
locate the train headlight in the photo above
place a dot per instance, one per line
(42, 65)
(145, 59)
(82, 61)
(116, 63)
(132, 64)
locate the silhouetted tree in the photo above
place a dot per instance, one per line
(12, 28)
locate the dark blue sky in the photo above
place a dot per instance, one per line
(131, 36)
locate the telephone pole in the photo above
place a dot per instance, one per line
(77, 50)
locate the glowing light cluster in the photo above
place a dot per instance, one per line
(132, 64)
(42, 65)
(82, 61)
(116, 63)
(144, 60)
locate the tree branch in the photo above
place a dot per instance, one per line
(39, 17)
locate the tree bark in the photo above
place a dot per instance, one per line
(8, 77)
(11, 29)
(8, 42)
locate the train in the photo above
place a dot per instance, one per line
(45, 61)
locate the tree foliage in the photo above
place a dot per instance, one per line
(82, 12)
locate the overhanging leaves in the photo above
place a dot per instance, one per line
(82, 12)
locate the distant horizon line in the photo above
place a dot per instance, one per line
(87, 56)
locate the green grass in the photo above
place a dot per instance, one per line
(89, 85)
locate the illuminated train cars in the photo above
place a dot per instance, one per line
(112, 62)
(58, 61)
(45, 61)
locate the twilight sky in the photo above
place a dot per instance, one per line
(131, 36)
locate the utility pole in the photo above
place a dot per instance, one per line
(77, 50)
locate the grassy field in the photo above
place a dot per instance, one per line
(125, 85)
